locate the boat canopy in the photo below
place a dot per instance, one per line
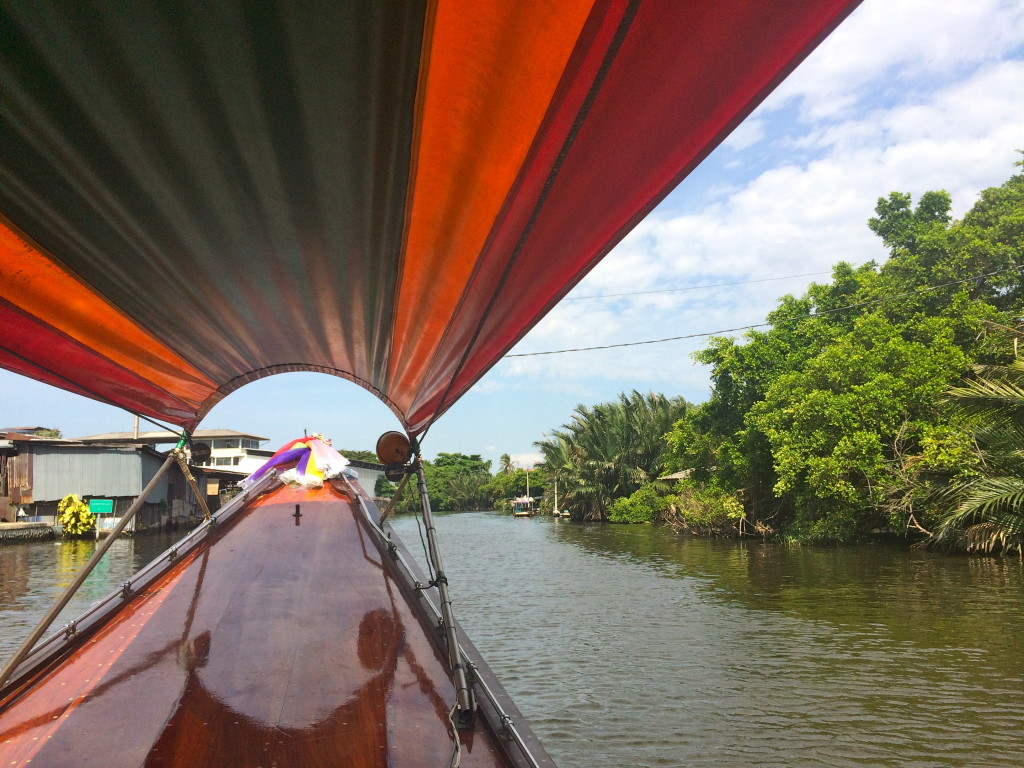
(197, 195)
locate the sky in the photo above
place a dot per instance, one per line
(907, 95)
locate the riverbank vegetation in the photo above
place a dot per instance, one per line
(887, 400)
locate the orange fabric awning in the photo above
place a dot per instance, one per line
(193, 198)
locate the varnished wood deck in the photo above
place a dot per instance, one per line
(284, 643)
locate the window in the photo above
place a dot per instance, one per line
(223, 461)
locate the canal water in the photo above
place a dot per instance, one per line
(630, 646)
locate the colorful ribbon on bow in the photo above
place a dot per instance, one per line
(314, 460)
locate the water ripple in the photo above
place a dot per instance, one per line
(629, 646)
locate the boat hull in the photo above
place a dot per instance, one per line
(285, 639)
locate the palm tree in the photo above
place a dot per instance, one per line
(506, 465)
(466, 491)
(608, 451)
(987, 513)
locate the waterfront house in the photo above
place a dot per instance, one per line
(35, 474)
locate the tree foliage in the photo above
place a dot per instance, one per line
(383, 488)
(645, 505)
(456, 482)
(984, 511)
(830, 423)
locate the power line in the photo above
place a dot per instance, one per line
(765, 324)
(691, 287)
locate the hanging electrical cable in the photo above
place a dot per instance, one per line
(768, 324)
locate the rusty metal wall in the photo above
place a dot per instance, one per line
(19, 479)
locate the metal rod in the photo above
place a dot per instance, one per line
(407, 571)
(394, 499)
(462, 692)
(44, 624)
(179, 454)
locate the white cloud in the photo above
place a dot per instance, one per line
(525, 460)
(747, 134)
(907, 96)
(900, 46)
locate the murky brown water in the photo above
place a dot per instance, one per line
(626, 646)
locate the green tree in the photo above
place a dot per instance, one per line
(505, 464)
(831, 425)
(383, 488)
(900, 227)
(828, 422)
(458, 482)
(609, 451)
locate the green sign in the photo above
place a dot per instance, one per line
(101, 506)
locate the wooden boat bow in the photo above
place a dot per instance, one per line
(280, 640)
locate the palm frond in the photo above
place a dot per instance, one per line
(998, 500)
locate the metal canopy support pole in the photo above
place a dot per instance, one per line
(394, 499)
(464, 697)
(65, 598)
(179, 454)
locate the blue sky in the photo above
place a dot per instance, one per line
(907, 95)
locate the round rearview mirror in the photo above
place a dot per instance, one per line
(394, 472)
(393, 448)
(200, 452)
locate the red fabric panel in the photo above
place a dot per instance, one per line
(78, 369)
(492, 70)
(37, 285)
(624, 132)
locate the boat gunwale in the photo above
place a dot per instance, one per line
(502, 716)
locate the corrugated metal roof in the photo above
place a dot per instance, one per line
(163, 436)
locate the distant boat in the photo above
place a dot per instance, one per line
(524, 506)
